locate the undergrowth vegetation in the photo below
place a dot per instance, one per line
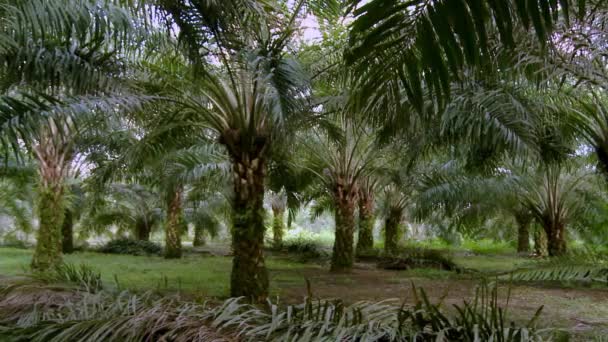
(131, 246)
(124, 316)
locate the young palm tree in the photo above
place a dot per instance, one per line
(130, 207)
(397, 194)
(278, 204)
(554, 198)
(367, 217)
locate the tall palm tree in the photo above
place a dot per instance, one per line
(60, 63)
(247, 103)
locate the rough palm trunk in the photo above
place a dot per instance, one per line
(391, 231)
(50, 209)
(173, 229)
(523, 232)
(199, 236)
(142, 230)
(53, 165)
(249, 277)
(556, 240)
(365, 242)
(540, 242)
(342, 258)
(278, 225)
(67, 232)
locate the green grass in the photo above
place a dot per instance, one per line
(205, 276)
(492, 263)
(478, 247)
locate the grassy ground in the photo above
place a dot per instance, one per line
(201, 276)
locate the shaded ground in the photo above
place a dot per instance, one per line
(202, 276)
(583, 309)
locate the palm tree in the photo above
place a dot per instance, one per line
(278, 204)
(555, 199)
(246, 103)
(129, 207)
(367, 218)
(206, 209)
(551, 194)
(340, 158)
(57, 74)
(397, 194)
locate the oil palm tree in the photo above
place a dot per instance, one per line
(340, 158)
(247, 103)
(60, 63)
(397, 193)
(130, 207)
(367, 218)
(278, 204)
(551, 194)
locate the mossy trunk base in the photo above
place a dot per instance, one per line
(67, 232)
(540, 242)
(365, 241)
(556, 240)
(342, 258)
(523, 234)
(142, 231)
(173, 229)
(391, 231)
(199, 237)
(278, 226)
(249, 277)
(50, 208)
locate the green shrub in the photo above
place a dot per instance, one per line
(131, 246)
(417, 257)
(488, 246)
(11, 240)
(82, 275)
(305, 249)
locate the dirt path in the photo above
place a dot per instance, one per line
(582, 309)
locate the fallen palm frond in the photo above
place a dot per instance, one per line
(585, 267)
(106, 316)
(564, 272)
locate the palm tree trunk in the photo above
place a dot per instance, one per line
(53, 165)
(173, 229)
(540, 242)
(278, 226)
(523, 232)
(365, 242)
(142, 231)
(50, 208)
(199, 236)
(249, 277)
(556, 240)
(391, 231)
(67, 231)
(343, 253)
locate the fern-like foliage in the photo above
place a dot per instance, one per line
(128, 317)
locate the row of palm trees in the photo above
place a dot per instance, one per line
(222, 93)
